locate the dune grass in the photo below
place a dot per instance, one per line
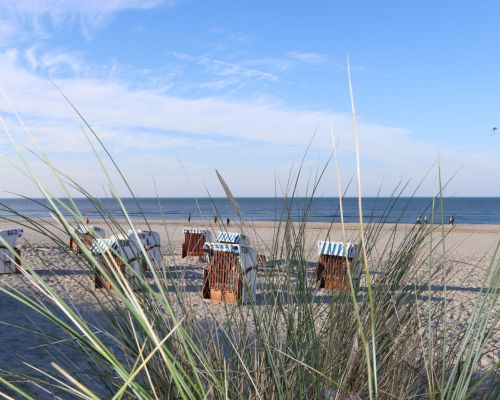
(386, 338)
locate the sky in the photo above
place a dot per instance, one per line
(175, 89)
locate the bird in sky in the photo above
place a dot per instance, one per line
(493, 131)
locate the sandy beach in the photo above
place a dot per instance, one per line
(469, 250)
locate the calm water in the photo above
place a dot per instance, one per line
(466, 210)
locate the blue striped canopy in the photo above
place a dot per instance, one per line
(228, 237)
(228, 247)
(337, 249)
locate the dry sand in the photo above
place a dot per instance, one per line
(469, 253)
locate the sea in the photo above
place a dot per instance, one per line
(465, 210)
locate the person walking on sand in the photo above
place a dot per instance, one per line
(228, 221)
(426, 221)
(189, 218)
(215, 219)
(451, 221)
(418, 221)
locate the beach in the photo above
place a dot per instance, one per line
(469, 250)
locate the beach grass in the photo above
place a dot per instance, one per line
(388, 337)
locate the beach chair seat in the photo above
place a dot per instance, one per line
(194, 240)
(231, 274)
(120, 254)
(334, 258)
(87, 234)
(10, 253)
(151, 243)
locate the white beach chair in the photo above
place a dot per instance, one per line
(117, 252)
(151, 243)
(334, 258)
(8, 260)
(231, 275)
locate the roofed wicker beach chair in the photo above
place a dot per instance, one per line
(9, 261)
(87, 234)
(152, 246)
(231, 275)
(194, 240)
(334, 259)
(119, 257)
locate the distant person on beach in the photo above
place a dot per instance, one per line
(228, 221)
(426, 221)
(189, 217)
(215, 219)
(451, 221)
(418, 221)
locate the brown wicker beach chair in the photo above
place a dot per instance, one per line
(231, 273)
(334, 259)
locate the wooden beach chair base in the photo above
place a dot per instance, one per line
(221, 281)
(225, 296)
(100, 280)
(87, 242)
(331, 273)
(72, 245)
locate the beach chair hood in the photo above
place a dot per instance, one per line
(337, 249)
(10, 236)
(234, 238)
(207, 233)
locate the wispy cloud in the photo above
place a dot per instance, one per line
(53, 62)
(217, 74)
(224, 68)
(147, 125)
(308, 57)
(24, 19)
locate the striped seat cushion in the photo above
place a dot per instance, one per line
(100, 246)
(195, 230)
(227, 247)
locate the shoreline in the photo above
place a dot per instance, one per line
(466, 228)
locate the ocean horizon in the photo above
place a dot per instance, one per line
(465, 210)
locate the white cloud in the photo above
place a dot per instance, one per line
(259, 135)
(219, 74)
(279, 64)
(58, 10)
(24, 19)
(224, 68)
(308, 57)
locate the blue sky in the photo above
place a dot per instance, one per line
(176, 89)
